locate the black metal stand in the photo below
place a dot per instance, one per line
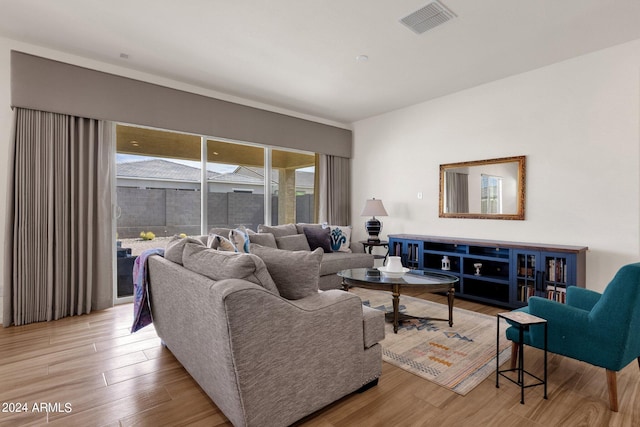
(521, 320)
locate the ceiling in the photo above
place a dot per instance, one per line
(300, 55)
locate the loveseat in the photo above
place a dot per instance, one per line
(257, 335)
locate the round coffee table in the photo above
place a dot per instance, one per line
(371, 278)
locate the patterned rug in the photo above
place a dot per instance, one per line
(458, 358)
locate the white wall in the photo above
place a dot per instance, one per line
(576, 121)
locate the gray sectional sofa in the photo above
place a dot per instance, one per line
(257, 335)
(292, 237)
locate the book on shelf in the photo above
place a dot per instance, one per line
(557, 294)
(526, 292)
(557, 271)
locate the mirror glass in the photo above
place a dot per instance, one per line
(486, 189)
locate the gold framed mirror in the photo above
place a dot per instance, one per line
(483, 189)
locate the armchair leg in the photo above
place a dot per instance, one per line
(514, 355)
(613, 390)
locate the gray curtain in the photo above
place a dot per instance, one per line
(457, 192)
(58, 254)
(334, 189)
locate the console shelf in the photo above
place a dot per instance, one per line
(510, 274)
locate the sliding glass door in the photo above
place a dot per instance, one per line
(170, 183)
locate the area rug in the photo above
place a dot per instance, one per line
(458, 358)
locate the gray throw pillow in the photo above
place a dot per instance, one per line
(296, 273)
(175, 247)
(220, 265)
(263, 239)
(296, 242)
(319, 238)
(278, 230)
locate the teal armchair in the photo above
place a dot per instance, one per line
(600, 329)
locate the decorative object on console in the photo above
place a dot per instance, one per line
(373, 207)
(477, 266)
(446, 263)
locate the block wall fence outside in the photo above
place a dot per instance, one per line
(166, 212)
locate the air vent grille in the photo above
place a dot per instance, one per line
(430, 16)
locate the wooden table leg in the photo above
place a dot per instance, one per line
(450, 297)
(396, 308)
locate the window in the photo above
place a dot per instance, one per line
(160, 184)
(490, 194)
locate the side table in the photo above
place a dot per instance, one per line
(521, 320)
(370, 244)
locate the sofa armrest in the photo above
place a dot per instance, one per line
(285, 351)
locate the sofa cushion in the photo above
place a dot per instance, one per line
(278, 230)
(296, 273)
(263, 239)
(220, 265)
(340, 237)
(296, 242)
(175, 247)
(337, 261)
(318, 238)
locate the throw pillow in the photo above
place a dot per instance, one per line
(175, 247)
(301, 226)
(240, 240)
(278, 230)
(220, 265)
(296, 273)
(215, 241)
(318, 238)
(297, 242)
(221, 231)
(263, 239)
(340, 238)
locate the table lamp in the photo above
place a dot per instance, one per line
(373, 207)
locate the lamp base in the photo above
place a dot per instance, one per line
(373, 227)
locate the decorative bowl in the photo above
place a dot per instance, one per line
(393, 274)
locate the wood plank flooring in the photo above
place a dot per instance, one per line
(90, 371)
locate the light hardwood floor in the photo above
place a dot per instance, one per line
(90, 371)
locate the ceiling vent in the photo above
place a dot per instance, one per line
(430, 16)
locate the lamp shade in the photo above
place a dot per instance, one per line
(373, 207)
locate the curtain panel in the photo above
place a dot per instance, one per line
(58, 253)
(457, 192)
(334, 189)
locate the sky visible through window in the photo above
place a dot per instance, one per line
(214, 167)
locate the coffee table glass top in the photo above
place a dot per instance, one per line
(414, 277)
